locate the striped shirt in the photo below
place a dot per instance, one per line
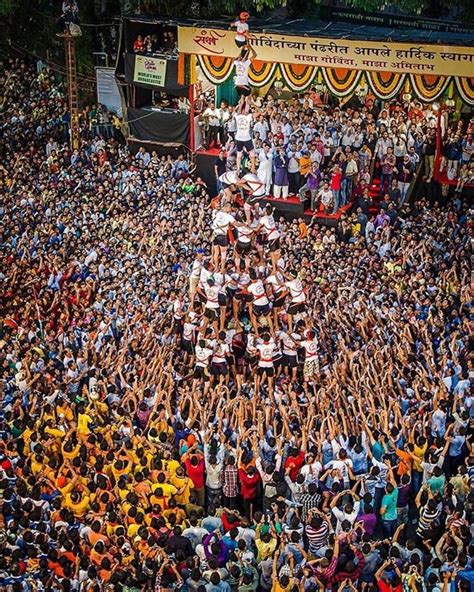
(317, 537)
(427, 517)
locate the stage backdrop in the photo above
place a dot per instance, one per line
(402, 58)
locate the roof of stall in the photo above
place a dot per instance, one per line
(334, 29)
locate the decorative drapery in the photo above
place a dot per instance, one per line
(385, 85)
(429, 87)
(465, 88)
(340, 81)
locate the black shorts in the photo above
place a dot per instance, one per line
(279, 301)
(211, 314)
(240, 43)
(277, 360)
(290, 361)
(254, 199)
(269, 371)
(188, 347)
(295, 308)
(243, 296)
(222, 299)
(274, 245)
(201, 373)
(221, 240)
(177, 326)
(261, 310)
(243, 248)
(243, 91)
(261, 239)
(231, 292)
(219, 369)
(241, 144)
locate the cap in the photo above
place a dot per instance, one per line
(244, 16)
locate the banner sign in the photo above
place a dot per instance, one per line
(404, 58)
(149, 71)
(384, 19)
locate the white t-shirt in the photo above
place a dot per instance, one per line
(257, 187)
(341, 516)
(296, 291)
(202, 356)
(242, 72)
(269, 227)
(311, 472)
(221, 223)
(196, 269)
(242, 30)
(244, 233)
(189, 330)
(212, 296)
(214, 116)
(276, 280)
(220, 354)
(289, 347)
(257, 290)
(342, 466)
(266, 351)
(311, 349)
(244, 124)
(229, 178)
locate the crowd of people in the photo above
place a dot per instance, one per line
(164, 43)
(301, 143)
(197, 395)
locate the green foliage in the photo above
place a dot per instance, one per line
(7, 7)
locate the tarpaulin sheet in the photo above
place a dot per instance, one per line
(162, 127)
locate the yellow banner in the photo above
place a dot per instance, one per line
(149, 70)
(443, 60)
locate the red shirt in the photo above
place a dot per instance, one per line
(248, 484)
(384, 587)
(336, 180)
(195, 473)
(228, 525)
(295, 462)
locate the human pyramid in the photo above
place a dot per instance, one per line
(245, 278)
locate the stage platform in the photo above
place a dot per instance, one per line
(292, 208)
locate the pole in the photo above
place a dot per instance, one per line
(192, 140)
(70, 49)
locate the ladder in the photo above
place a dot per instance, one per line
(70, 49)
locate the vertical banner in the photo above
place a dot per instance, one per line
(108, 93)
(149, 71)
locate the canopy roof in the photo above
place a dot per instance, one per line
(332, 29)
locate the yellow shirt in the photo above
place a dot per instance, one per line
(265, 550)
(419, 454)
(73, 453)
(55, 432)
(83, 422)
(179, 483)
(79, 508)
(167, 488)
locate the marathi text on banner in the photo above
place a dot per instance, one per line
(403, 58)
(149, 71)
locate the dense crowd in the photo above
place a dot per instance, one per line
(301, 142)
(198, 396)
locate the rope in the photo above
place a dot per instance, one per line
(51, 64)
